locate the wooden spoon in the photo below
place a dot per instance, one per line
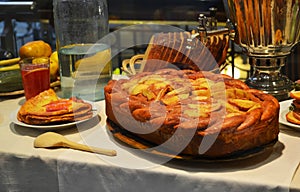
(55, 140)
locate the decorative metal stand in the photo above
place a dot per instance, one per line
(214, 37)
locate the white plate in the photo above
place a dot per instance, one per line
(284, 109)
(13, 117)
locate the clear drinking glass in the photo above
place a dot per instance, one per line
(35, 75)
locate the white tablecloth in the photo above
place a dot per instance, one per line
(25, 168)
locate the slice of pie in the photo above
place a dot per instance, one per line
(48, 108)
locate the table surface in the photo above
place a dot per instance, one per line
(25, 168)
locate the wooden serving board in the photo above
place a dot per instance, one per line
(133, 141)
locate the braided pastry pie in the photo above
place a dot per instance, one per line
(193, 113)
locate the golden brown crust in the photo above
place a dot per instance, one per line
(210, 104)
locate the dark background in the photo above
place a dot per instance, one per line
(25, 24)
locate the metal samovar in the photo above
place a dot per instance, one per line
(267, 30)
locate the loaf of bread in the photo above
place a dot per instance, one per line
(184, 51)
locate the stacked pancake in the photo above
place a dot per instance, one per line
(48, 108)
(293, 116)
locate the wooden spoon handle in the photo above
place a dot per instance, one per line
(82, 147)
